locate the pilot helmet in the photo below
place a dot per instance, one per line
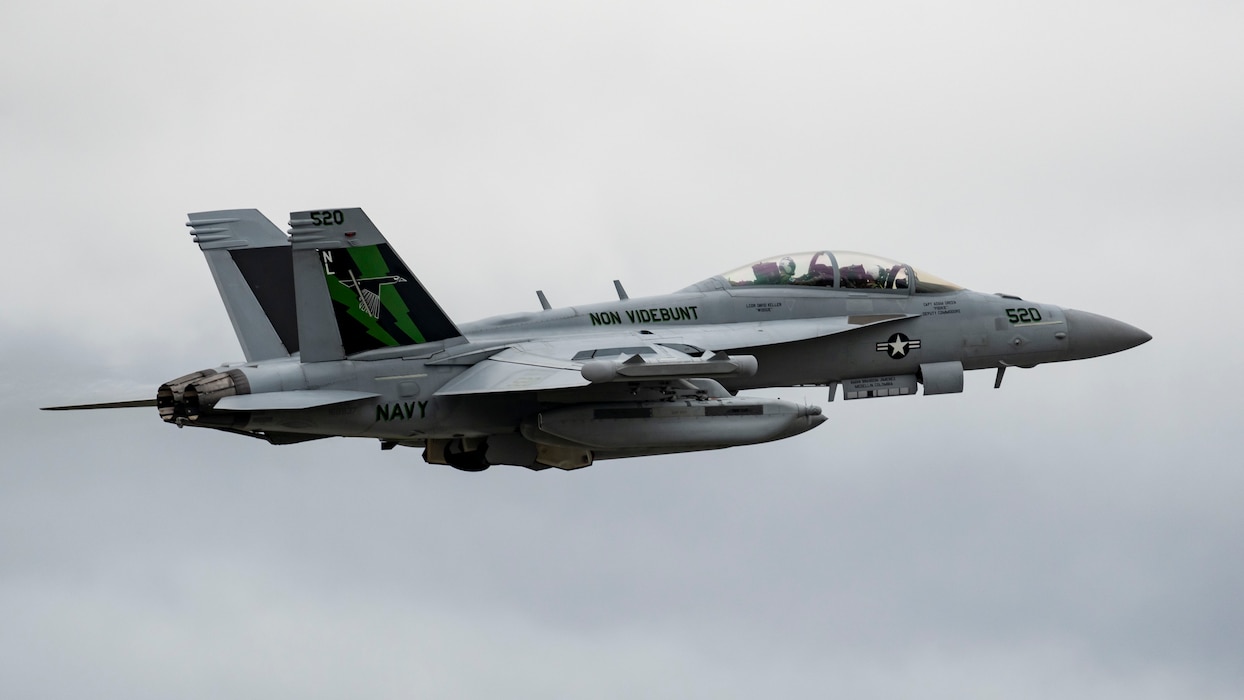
(786, 266)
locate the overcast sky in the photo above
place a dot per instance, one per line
(1078, 534)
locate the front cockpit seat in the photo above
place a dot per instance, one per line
(767, 272)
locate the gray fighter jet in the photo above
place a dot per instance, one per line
(341, 339)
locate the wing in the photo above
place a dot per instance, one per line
(530, 366)
(580, 361)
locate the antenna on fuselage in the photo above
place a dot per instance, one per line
(544, 301)
(617, 284)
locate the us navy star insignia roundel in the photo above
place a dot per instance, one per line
(898, 346)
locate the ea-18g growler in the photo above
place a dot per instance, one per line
(341, 339)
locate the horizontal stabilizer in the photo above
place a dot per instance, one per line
(137, 403)
(290, 400)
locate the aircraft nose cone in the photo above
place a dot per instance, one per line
(1092, 335)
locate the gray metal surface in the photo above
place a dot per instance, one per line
(566, 387)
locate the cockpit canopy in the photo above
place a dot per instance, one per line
(838, 270)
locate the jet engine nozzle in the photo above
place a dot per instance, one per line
(202, 394)
(170, 395)
(185, 398)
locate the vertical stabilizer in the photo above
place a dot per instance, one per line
(353, 292)
(250, 260)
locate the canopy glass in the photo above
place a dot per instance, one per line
(838, 270)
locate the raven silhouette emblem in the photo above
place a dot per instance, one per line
(368, 291)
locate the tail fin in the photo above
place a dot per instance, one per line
(353, 292)
(250, 260)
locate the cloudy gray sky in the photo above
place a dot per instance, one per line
(1077, 534)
